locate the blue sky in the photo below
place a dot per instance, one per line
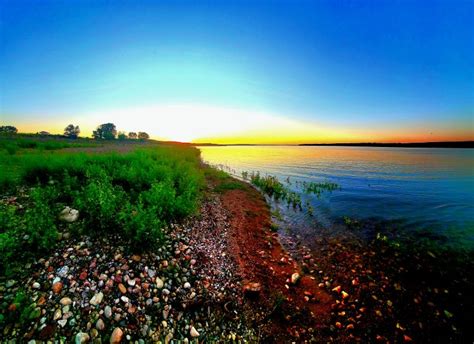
(373, 68)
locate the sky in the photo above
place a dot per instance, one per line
(241, 71)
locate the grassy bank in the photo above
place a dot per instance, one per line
(136, 195)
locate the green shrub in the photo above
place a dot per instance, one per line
(142, 226)
(40, 227)
(136, 195)
(99, 203)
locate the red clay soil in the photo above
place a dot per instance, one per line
(263, 260)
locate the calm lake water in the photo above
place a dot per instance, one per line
(429, 189)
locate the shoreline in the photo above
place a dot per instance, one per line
(226, 275)
(435, 144)
(350, 290)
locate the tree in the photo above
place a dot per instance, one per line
(122, 136)
(106, 131)
(8, 129)
(132, 135)
(72, 131)
(143, 136)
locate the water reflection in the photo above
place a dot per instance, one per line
(419, 187)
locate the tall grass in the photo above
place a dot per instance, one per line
(136, 195)
(12, 145)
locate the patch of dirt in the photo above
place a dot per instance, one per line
(283, 309)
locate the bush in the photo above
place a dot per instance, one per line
(22, 234)
(136, 195)
(99, 203)
(142, 225)
(40, 226)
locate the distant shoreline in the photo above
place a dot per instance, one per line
(447, 144)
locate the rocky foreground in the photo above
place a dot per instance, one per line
(224, 276)
(95, 290)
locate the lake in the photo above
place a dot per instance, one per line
(418, 189)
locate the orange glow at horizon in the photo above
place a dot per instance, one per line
(210, 124)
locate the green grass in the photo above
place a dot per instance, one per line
(136, 195)
(14, 145)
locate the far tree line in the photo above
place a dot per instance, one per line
(106, 131)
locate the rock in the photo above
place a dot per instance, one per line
(187, 285)
(125, 299)
(36, 285)
(159, 283)
(344, 295)
(108, 311)
(65, 301)
(57, 287)
(136, 258)
(62, 323)
(151, 273)
(100, 325)
(166, 292)
(295, 278)
(116, 336)
(10, 283)
(96, 299)
(57, 314)
(63, 271)
(193, 332)
(47, 332)
(83, 275)
(131, 282)
(252, 288)
(41, 301)
(122, 288)
(69, 215)
(82, 337)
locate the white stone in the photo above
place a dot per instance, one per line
(57, 314)
(159, 283)
(108, 311)
(69, 215)
(96, 299)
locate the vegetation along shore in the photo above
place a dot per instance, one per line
(134, 240)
